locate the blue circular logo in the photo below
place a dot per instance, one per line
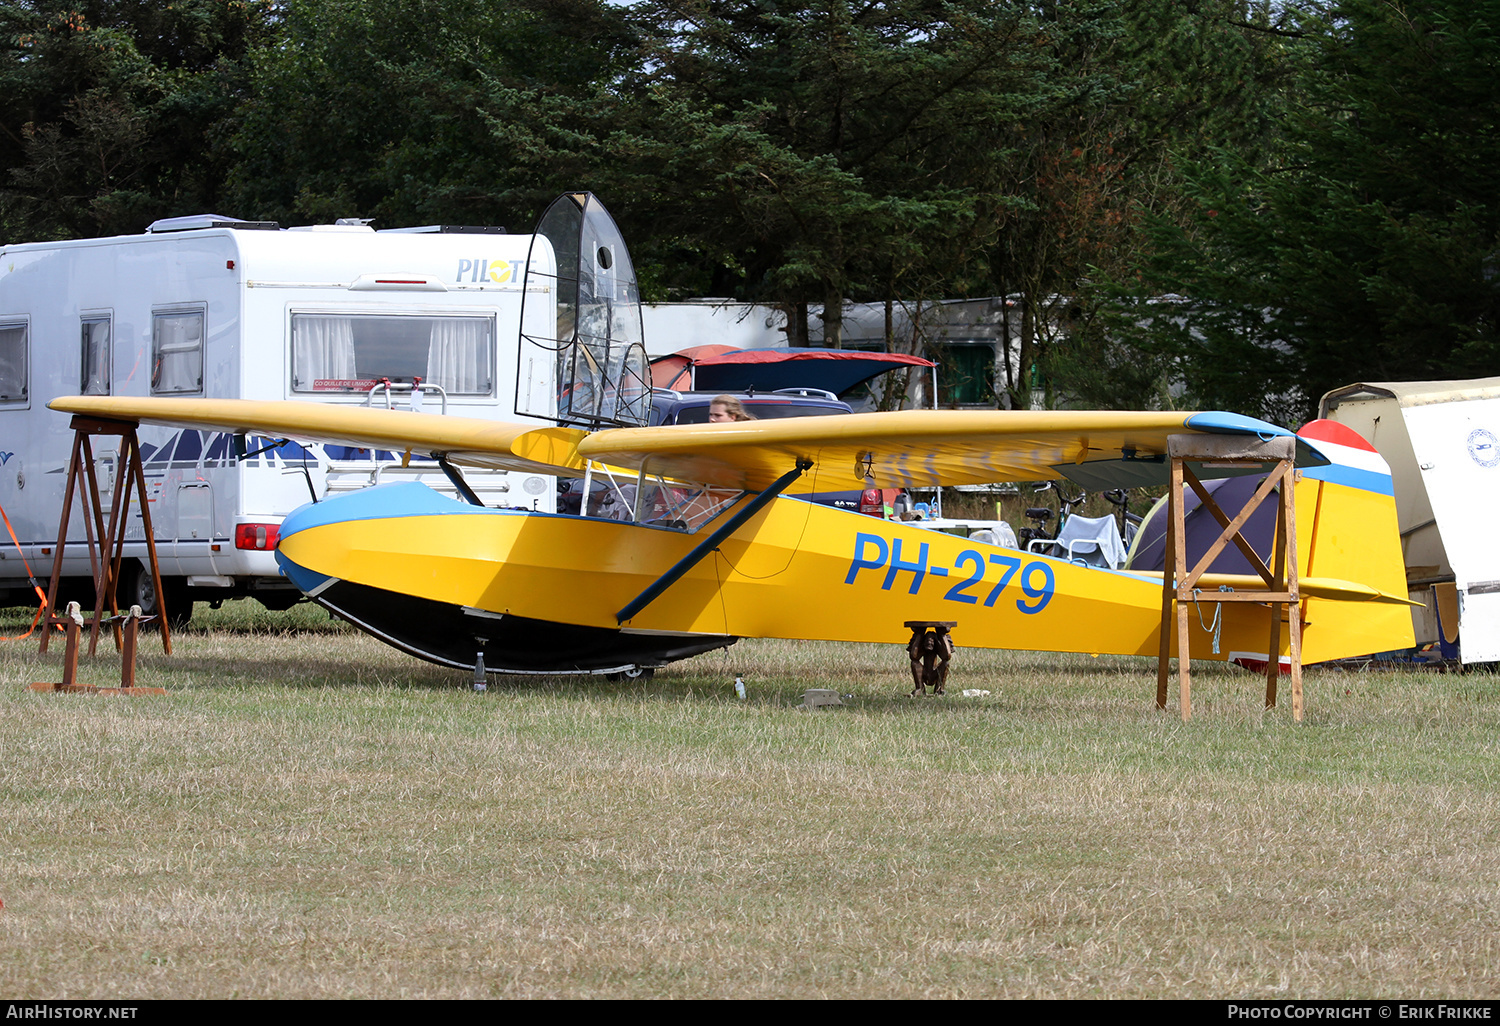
(1484, 448)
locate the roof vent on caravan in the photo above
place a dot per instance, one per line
(343, 224)
(447, 229)
(192, 222)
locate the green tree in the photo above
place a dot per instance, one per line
(910, 152)
(1187, 82)
(116, 111)
(1367, 250)
(823, 151)
(426, 111)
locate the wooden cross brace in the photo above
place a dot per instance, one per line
(1179, 582)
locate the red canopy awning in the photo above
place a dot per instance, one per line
(676, 371)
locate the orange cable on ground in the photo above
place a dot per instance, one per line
(30, 577)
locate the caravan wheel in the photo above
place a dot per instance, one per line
(136, 590)
(278, 601)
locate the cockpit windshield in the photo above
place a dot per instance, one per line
(581, 272)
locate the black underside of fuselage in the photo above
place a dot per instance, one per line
(453, 636)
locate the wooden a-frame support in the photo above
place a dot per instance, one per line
(1179, 584)
(106, 546)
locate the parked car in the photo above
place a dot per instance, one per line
(672, 407)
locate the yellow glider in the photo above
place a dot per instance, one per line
(529, 592)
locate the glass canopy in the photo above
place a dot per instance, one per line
(582, 309)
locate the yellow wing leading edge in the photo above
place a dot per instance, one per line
(914, 448)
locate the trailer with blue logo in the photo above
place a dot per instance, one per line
(1442, 441)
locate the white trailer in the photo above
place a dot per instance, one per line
(211, 307)
(1442, 442)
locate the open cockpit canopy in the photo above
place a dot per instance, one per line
(581, 273)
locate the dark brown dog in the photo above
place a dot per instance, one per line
(930, 651)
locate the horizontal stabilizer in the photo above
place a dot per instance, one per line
(1310, 587)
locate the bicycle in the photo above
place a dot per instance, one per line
(1039, 515)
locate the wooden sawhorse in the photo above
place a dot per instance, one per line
(106, 546)
(1179, 584)
(74, 619)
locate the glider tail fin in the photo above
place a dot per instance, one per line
(1347, 531)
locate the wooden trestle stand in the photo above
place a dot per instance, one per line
(1179, 584)
(106, 547)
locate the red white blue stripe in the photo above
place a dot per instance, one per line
(1354, 461)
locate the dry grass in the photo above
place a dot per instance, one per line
(309, 814)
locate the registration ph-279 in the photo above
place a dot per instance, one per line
(1033, 578)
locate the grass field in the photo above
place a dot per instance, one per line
(309, 814)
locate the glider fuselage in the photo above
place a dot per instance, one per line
(540, 593)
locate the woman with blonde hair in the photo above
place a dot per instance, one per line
(726, 409)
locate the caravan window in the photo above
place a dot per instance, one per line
(95, 378)
(13, 362)
(352, 352)
(176, 352)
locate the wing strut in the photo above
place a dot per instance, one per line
(458, 481)
(710, 543)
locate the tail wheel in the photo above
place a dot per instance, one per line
(136, 589)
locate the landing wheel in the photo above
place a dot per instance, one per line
(275, 601)
(136, 590)
(634, 673)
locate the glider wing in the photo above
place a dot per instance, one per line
(466, 440)
(916, 448)
(924, 448)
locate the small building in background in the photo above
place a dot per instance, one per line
(968, 338)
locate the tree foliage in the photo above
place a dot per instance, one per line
(1206, 82)
(117, 111)
(903, 152)
(798, 153)
(1366, 249)
(416, 111)
(1236, 203)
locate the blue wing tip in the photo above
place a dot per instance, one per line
(1234, 423)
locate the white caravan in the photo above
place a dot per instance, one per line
(426, 319)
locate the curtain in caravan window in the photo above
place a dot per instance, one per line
(458, 356)
(322, 350)
(12, 362)
(95, 357)
(177, 348)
